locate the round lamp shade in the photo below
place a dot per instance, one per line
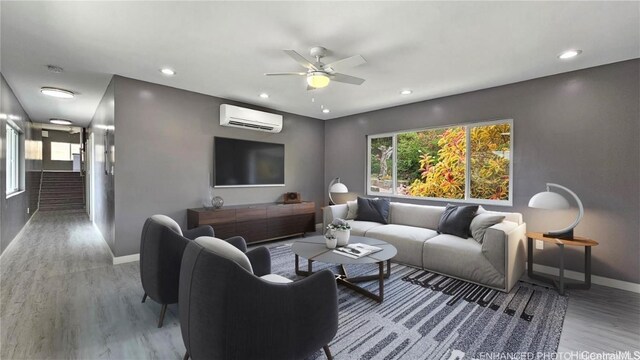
(338, 188)
(549, 200)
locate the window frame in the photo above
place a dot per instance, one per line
(13, 136)
(467, 175)
(71, 148)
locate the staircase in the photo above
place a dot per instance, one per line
(61, 191)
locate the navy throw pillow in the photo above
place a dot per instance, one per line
(376, 210)
(455, 220)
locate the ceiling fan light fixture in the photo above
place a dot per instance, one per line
(318, 79)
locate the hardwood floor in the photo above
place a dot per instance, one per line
(61, 298)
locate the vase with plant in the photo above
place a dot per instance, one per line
(341, 230)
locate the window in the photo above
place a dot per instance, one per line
(62, 151)
(13, 160)
(456, 163)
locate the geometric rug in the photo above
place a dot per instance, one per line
(451, 320)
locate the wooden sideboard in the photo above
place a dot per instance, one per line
(257, 222)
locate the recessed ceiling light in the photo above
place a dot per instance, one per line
(60, 122)
(59, 93)
(326, 111)
(167, 71)
(406, 92)
(264, 95)
(569, 54)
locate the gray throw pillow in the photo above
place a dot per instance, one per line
(481, 223)
(455, 220)
(376, 210)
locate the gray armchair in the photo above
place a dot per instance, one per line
(161, 246)
(228, 311)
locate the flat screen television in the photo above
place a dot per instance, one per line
(247, 163)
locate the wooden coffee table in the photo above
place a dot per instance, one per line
(314, 248)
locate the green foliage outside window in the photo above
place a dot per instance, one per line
(432, 163)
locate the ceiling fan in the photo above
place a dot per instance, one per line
(318, 74)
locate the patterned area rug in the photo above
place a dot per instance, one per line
(429, 316)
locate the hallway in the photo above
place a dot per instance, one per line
(61, 298)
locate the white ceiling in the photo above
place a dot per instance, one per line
(223, 48)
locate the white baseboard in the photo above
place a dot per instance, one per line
(595, 279)
(126, 259)
(116, 259)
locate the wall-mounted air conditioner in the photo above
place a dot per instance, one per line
(235, 116)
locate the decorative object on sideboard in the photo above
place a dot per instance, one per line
(292, 198)
(336, 187)
(217, 202)
(553, 201)
(341, 230)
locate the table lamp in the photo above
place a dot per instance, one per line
(335, 186)
(553, 201)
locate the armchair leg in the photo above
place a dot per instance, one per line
(162, 311)
(327, 352)
(186, 356)
(144, 297)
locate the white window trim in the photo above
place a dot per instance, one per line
(467, 185)
(19, 166)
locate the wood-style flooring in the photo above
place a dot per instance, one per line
(61, 298)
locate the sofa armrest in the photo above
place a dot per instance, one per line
(504, 247)
(333, 211)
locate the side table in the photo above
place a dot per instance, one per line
(561, 284)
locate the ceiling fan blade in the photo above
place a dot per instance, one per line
(286, 73)
(346, 63)
(347, 79)
(301, 60)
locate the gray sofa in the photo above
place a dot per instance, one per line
(496, 263)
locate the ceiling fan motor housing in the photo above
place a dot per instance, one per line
(318, 52)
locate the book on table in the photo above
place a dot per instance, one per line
(357, 250)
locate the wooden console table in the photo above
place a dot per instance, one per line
(257, 222)
(561, 243)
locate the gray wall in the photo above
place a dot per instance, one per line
(103, 120)
(164, 156)
(16, 211)
(578, 129)
(57, 136)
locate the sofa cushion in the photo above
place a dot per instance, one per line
(353, 209)
(359, 228)
(408, 240)
(461, 258)
(509, 216)
(423, 216)
(373, 210)
(480, 224)
(456, 219)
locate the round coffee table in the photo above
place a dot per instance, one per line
(314, 248)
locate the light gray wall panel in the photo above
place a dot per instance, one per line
(103, 120)
(579, 129)
(164, 156)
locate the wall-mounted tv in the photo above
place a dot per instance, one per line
(247, 163)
